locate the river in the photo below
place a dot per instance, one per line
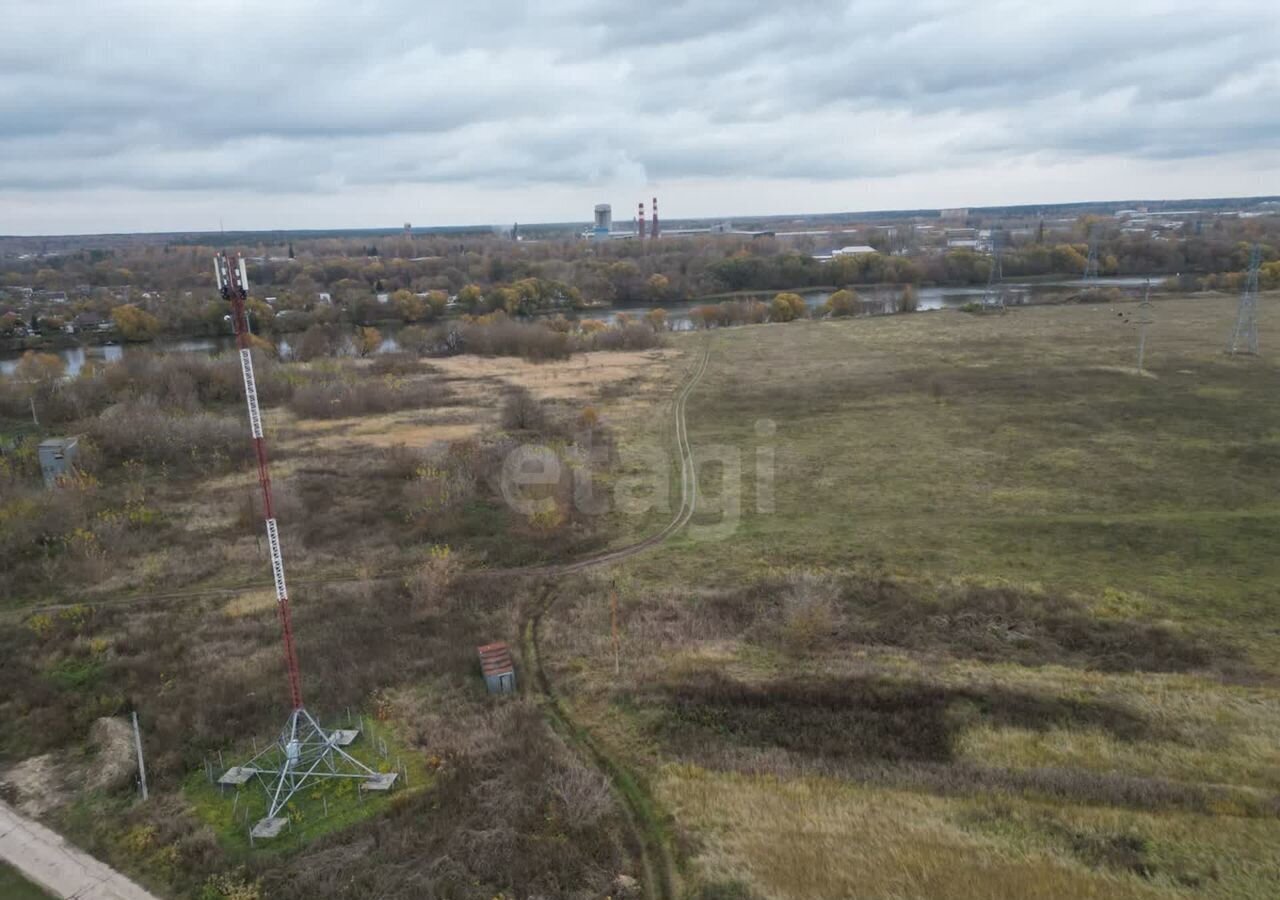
(678, 317)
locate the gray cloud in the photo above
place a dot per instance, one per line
(338, 97)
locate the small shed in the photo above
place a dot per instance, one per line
(499, 671)
(57, 459)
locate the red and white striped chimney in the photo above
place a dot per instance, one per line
(640, 231)
(653, 229)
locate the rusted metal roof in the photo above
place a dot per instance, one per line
(495, 658)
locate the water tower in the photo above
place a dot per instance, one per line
(604, 221)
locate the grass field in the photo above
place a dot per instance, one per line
(14, 887)
(1008, 629)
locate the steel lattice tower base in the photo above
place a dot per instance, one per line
(304, 754)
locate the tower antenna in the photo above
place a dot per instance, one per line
(1244, 337)
(304, 752)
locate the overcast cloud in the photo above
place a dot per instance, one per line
(126, 115)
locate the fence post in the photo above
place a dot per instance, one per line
(142, 766)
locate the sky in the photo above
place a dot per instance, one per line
(121, 115)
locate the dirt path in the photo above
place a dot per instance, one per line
(47, 859)
(649, 832)
(50, 861)
(688, 495)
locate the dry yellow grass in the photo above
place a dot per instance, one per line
(813, 837)
(807, 838)
(578, 378)
(250, 602)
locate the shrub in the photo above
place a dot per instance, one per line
(787, 307)
(348, 391)
(844, 303)
(499, 336)
(428, 587)
(414, 339)
(909, 301)
(521, 411)
(809, 613)
(143, 431)
(632, 336)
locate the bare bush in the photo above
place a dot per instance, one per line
(809, 612)
(143, 431)
(428, 587)
(631, 336)
(500, 336)
(521, 411)
(351, 392)
(583, 793)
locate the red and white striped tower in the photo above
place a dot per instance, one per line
(233, 281)
(304, 751)
(640, 230)
(653, 229)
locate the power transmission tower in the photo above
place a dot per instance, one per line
(1144, 319)
(1091, 264)
(1244, 337)
(994, 296)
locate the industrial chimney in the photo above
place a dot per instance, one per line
(653, 229)
(640, 221)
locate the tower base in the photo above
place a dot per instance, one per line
(304, 754)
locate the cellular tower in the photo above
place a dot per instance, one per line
(304, 752)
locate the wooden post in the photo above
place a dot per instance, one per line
(142, 766)
(613, 616)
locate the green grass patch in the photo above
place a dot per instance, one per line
(324, 807)
(14, 887)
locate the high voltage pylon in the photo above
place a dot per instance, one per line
(1091, 263)
(993, 298)
(1244, 337)
(1144, 320)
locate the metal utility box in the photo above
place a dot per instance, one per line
(499, 671)
(57, 459)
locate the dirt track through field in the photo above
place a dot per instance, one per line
(644, 820)
(90, 878)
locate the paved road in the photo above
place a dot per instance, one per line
(50, 861)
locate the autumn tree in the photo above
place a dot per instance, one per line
(657, 287)
(656, 318)
(39, 368)
(135, 324)
(471, 298)
(844, 303)
(437, 303)
(409, 306)
(787, 307)
(368, 340)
